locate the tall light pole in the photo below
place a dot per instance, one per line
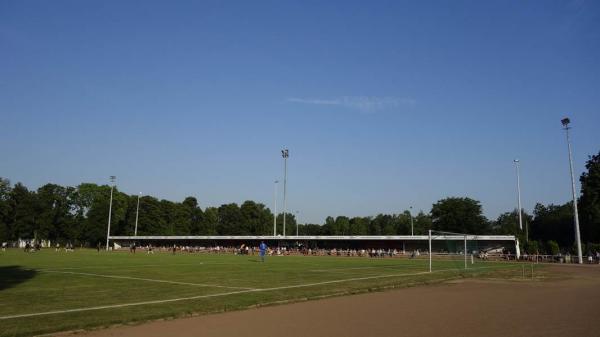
(285, 154)
(275, 208)
(112, 185)
(565, 122)
(137, 213)
(516, 161)
(412, 227)
(297, 212)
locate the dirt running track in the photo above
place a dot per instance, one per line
(471, 308)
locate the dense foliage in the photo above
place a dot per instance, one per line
(589, 203)
(79, 215)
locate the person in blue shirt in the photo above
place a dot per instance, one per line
(262, 249)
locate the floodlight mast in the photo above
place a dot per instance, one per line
(430, 252)
(297, 212)
(275, 208)
(516, 161)
(285, 154)
(137, 212)
(112, 185)
(412, 228)
(565, 122)
(465, 238)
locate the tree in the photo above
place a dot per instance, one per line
(127, 225)
(402, 223)
(5, 192)
(177, 217)
(94, 226)
(589, 203)
(532, 247)
(375, 225)
(22, 212)
(80, 214)
(230, 220)
(553, 222)
(359, 226)
(197, 220)
(387, 224)
(54, 211)
(460, 215)
(182, 218)
(257, 218)
(91, 205)
(552, 247)
(311, 229)
(341, 226)
(151, 220)
(290, 224)
(328, 227)
(210, 221)
(508, 224)
(422, 223)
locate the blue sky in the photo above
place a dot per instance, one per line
(383, 104)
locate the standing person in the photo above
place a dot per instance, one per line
(98, 246)
(262, 249)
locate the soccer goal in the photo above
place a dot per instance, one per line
(448, 250)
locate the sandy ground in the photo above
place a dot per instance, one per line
(469, 308)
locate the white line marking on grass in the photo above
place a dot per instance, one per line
(393, 267)
(220, 294)
(124, 266)
(113, 306)
(146, 279)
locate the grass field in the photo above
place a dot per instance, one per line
(47, 291)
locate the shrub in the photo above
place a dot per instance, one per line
(552, 247)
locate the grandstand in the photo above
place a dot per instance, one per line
(400, 242)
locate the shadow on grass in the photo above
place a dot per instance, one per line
(14, 275)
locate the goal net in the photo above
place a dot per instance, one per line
(452, 251)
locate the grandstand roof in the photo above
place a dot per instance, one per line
(322, 237)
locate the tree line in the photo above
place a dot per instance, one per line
(79, 215)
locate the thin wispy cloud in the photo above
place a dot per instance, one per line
(361, 103)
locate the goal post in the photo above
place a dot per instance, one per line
(429, 251)
(453, 250)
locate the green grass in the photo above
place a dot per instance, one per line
(48, 281)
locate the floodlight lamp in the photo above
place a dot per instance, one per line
(565, 122)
